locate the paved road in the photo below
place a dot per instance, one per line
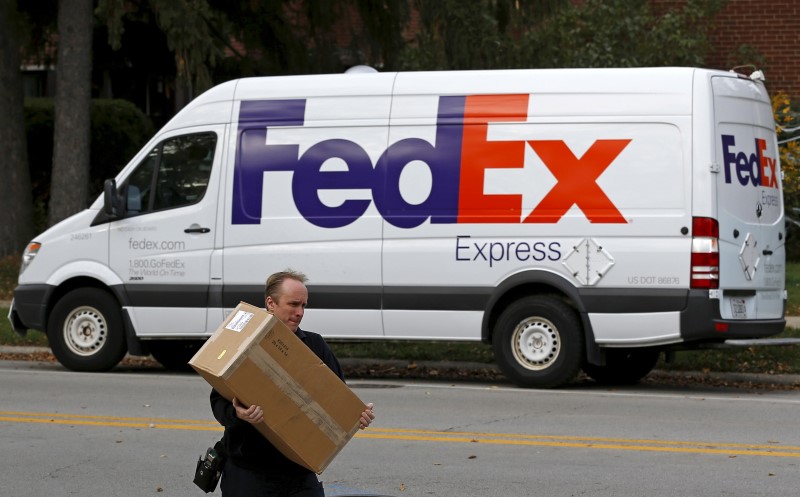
(139, 432)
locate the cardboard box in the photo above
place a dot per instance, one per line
(309, 413)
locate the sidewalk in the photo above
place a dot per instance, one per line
(451, 371)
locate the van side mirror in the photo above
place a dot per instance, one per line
(134, 199)
(113, 204)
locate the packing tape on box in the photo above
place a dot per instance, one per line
(297, 394)
(238, 356)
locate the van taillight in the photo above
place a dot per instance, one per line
(705, 253)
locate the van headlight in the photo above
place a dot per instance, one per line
(27, 256)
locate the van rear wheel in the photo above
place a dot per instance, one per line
(85, 330)
(538, 342)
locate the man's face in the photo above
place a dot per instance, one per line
(290, 303)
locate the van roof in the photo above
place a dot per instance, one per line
(623, 89)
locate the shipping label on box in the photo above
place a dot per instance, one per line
(309, 412)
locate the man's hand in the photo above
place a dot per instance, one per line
(253, 414)
(366, 417)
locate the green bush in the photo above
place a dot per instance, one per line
(9, 271)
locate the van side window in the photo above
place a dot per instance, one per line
(174, 174)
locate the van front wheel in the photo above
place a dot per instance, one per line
(85, 330)
(538, 342)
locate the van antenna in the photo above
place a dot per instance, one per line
(361, 69)
(744, 66)
(755, 74)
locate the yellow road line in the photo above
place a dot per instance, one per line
(630, 445)
(113, 418)
(515, 439)
(164, 424)
(589, 440)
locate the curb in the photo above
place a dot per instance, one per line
(492, 369)
(23, 349)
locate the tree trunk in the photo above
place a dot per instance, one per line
(16, 204)
(69, 185)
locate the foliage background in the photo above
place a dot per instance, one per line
(118, 129)
(179, 48)
(786, 120)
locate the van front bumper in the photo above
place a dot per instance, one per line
(16, 322)
(29, 307)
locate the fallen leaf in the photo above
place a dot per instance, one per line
(401, 487)
(472, 457)
(159, 489)
(771, 474)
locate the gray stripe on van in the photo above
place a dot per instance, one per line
(601, 300)
(319, 296)
(627, 300)
(154, 295)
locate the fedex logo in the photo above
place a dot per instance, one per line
(756, 169)
(458, 162)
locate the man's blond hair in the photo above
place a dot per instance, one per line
(274, 281)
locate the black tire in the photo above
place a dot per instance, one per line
(538, 342)
(623, 366)
(85, 330)
(174, 354)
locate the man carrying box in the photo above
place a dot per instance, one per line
(254, 466)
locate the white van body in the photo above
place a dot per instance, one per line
(573, 218)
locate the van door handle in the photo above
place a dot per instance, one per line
(196, 229)
(767, 252)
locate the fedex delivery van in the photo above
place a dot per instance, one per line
(574, 219)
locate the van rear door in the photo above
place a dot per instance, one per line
(749, 201)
